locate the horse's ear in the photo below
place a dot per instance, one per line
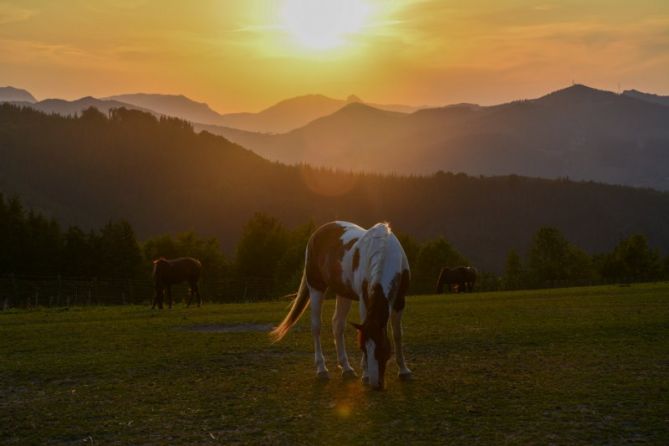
(357, 326)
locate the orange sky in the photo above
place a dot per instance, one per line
(242, 55)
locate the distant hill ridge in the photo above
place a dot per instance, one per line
(11, 94)
(69, 108)
(281, 117)
(657, 99)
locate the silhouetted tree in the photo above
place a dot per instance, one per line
(552, 258)
(120, 254)
(263, 242)
(78, 257)
(290, 265)
(632, 260)
(513, 273)
(410, 245)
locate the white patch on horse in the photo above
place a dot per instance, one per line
(378, 238)
(395, 262)
(372, 363)
(351, 232)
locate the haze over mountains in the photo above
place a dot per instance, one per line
(69, 108)
(282, 117)
(577, 132)
(162, 176)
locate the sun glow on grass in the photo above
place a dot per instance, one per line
(324, 24)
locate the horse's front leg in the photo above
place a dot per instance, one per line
(363, 361)
(342, 307)
(158, 298)
(168, 290)
(317, 298)
(396, 323)
(196, 293)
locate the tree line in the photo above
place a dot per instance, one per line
(270, 256)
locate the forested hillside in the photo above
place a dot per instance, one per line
(163, 177)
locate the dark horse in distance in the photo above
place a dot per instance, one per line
(171, 272)
(461, 278)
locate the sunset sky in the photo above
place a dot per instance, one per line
(245, 55)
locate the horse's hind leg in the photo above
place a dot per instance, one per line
(189, 299)
(396, 323)
(342, 307)
(317, 298)
(158, 298)
(195, 292)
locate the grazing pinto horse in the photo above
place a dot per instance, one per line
(170, 272)
(357, 264)
(463, 277)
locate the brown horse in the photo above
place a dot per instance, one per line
(460, 279)
(170, 272)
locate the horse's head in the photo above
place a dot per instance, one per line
(373, 338)
(157, 264)
(443, 279)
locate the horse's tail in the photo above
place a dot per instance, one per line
(299, 305)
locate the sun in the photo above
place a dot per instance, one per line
(323, 24)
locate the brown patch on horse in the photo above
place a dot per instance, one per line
(365, 295)
(350, 243)
(375, 325)
(399, 289)
(356, 259)
(325, 252)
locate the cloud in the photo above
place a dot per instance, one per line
(10, 13)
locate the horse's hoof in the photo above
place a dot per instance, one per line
(323, 376)
(405, 376)
(348, 375)
(365, 380)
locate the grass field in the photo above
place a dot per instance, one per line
(567, 366)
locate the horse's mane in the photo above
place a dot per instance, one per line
(378, 238)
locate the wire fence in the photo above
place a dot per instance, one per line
(57, 291)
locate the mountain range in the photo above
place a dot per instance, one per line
(578, 132)
(70, 108)
(282, 117)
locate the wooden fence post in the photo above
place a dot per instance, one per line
(59, 292)
(130, 292)
(15, 287)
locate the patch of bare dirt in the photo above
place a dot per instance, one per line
(231, 328)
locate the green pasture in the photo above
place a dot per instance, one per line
(576, 366)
